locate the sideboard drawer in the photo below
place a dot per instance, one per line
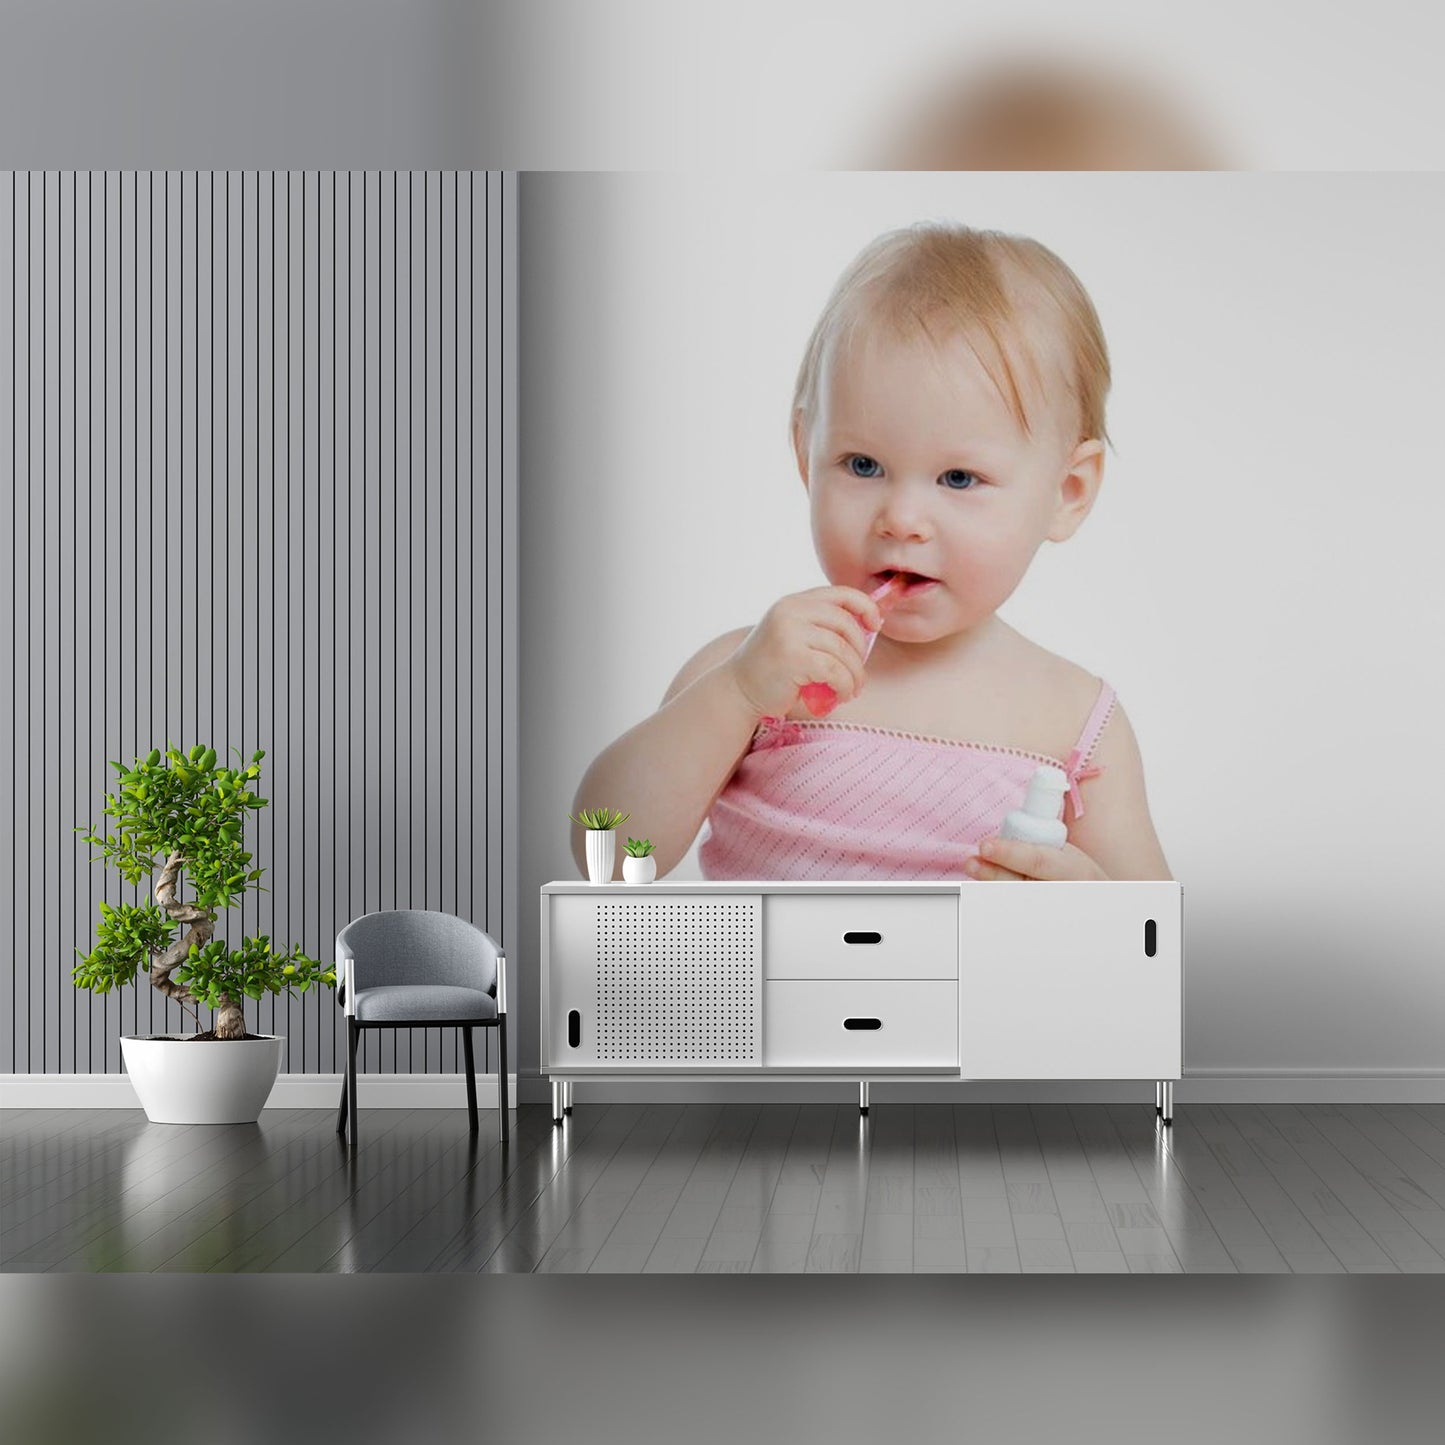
(806, 1024)
(860, 936)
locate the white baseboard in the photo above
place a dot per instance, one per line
(292, 1091)
(1286, 1087)
(448, 1091)
(1274, 1087)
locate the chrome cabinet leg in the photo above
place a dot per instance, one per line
(1158, 1096)
(556, 1101)
(862, 1096)
(567, 1097)
(1167, 1108)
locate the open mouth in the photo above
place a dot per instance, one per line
(912, 581)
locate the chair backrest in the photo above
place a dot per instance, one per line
(418, 945)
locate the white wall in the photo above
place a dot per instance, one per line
(1259, 579)
(654, 84)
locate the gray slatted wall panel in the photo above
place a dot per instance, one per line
(257, 438)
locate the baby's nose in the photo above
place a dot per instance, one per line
(904, 513)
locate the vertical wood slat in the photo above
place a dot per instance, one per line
(253, 430)
(60, 585)
(13, 1037)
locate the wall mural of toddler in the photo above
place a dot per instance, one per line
(948, 420)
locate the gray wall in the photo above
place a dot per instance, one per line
(258, 445)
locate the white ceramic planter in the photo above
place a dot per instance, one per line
(179, 1081)
(601, 854)
(639, 870)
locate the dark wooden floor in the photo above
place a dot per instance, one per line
(768, 1188)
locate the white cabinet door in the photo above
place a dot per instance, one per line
(1057, 981)
(666, 981)
(569, 982)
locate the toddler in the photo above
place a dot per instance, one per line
(948, 419)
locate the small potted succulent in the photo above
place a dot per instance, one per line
(639, 866)
(184, 813)
(600, 824)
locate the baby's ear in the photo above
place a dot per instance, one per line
(800, 443)
(1078, 488)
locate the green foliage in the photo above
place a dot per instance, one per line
(187, 806)
(183, 803)
(125, 938)
(603, 819)
(639, 848)
(252, 970)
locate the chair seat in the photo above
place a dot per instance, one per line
(415, 1003)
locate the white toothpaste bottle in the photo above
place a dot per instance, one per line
(1040, 820)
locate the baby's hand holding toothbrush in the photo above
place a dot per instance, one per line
(820, 637)
(818, 697)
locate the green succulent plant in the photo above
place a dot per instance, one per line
(639, 847)
(599, 819)
(185, 813)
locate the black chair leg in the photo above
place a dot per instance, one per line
(466, 1033)
(353, 1030)
(502, 1075)
(341, 1112)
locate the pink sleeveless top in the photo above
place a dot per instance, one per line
(817, 800)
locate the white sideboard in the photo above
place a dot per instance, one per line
(862, 982)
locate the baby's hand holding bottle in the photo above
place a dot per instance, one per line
(818, 636)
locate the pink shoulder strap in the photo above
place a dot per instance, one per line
(1077, 766)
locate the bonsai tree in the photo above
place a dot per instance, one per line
(185, 814)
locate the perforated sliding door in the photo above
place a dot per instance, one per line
(667, 982)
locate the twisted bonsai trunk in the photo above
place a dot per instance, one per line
(230, 1022)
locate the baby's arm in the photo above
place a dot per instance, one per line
(1114, 839)
(668, 770)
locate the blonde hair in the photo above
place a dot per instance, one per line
(1013, 301)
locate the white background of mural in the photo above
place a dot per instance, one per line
(1258, 579)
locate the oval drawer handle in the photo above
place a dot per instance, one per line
(862, 1023)
(863, 938)
(1150, 938)
(574, 1028)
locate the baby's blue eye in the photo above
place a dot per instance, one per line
(863, 466)
(958, 479)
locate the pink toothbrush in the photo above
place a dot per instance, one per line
(820, 698)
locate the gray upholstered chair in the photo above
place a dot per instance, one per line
(414, 968)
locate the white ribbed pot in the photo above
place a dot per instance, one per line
(639, 870)
(601, 854)
(212, 1081)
